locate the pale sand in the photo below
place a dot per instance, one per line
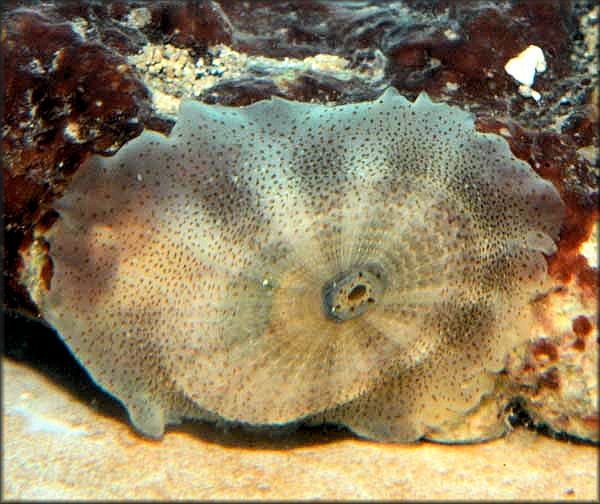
(57, 447)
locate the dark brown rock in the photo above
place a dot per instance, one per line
(64, 97)
(241, 92)
(192, 25)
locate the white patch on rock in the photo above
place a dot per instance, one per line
(589, 248)
(72, 131)
(523, 68)
(139, 17)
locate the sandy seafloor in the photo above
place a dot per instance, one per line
(57, 447)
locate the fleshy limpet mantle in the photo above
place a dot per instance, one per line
(367, 264)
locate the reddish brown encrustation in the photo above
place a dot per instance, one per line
(64, 97)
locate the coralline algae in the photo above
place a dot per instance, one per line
(367, 264)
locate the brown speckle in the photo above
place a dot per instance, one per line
(582, 327)
(544, 349)
(592, 421)
(549, 379)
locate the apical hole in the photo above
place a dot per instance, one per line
(356, 293)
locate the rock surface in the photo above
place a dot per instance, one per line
(57, 446)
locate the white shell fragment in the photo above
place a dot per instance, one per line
(523, 68)
(367, 264)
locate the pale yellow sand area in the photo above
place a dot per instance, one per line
(57, 447)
